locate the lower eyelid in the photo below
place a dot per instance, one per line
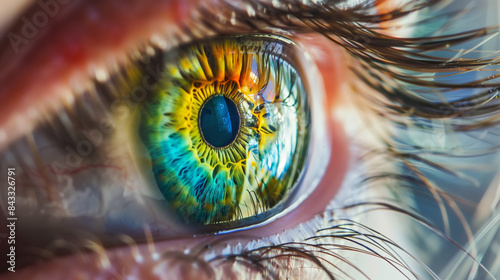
(326, 57)
(338, 159)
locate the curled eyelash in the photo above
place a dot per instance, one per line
(356, 29)
(363, 30)
(405, 95)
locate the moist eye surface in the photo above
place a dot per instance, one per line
(226, 129)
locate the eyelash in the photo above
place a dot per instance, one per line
(400, 103)
(392, 105)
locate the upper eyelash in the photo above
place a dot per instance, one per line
(344, 26)
(428, 110)
(399, 105)
(356, 29)
(252, 21)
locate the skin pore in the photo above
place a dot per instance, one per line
(406, 191)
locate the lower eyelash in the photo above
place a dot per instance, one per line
(256, 257)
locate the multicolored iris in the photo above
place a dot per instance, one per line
(226, 129)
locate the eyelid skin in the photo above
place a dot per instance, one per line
(54, 71)
(59, 57)
(10, 10)
(329, 59)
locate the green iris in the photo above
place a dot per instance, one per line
(226, 129)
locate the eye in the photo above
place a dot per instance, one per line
(95, 161)
(210, 136)
(226, 129)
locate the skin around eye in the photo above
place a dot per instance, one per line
(58, 56)
(315, 203)
(60, 68)
(183, 257)
(10, 11)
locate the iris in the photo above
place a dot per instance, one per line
(226, 129)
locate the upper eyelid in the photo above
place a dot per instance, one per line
(14, 64)
(59, 59)
(163, 19)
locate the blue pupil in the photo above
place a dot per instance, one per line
(219, 121)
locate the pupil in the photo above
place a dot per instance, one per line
(219, 121)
